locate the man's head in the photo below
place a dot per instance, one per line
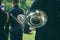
(15, 1)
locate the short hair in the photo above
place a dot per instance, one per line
(15, 1)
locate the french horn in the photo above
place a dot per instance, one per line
(35, 18)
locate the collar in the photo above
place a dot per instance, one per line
(16, 6)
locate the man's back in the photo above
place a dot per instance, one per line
(3, 18)
(15, 11)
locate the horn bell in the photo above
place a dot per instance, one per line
(36, 18)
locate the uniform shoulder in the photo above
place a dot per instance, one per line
(10, 10)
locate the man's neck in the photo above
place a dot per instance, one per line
(15, 4)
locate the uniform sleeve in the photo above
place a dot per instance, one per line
(22, 11)
(2, 17)
(9, 11)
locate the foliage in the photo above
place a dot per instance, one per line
(9, 0)
(25, 4)
(27, 36)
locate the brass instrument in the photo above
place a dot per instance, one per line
(35, 18)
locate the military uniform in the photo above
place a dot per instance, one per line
(16, 29)
(3, 17)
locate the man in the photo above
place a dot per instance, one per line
(49, 31)
(3, 18)
(16, 29)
